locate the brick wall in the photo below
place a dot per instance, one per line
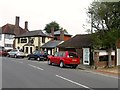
(101, 64)
(65, 37)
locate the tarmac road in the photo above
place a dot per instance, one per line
(23, 73)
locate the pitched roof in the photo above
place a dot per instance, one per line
(78, 41)
(51, 44)
(10, 29)
(33, 33)
(58, 33)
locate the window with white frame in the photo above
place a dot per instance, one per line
(8, 45)
(8, 36)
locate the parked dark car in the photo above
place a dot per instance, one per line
(38, 55)
(64, 58)
(3, 52)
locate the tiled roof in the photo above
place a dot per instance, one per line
(51, 44)
(10, 29)
(78, 41)
(58, 33)
(33, 33)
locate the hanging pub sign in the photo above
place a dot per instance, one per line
(23, 40)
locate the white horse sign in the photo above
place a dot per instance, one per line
(86, 56)
(118, 56)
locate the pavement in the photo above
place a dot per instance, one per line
(115, 71)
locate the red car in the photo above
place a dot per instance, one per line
(64, 58)
(3, 53)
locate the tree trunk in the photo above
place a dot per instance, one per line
(109, 57)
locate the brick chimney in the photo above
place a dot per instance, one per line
(26, 25)
(62, 34)
(17, 21)
(16, 29)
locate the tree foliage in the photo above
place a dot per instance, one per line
(106, 23)
(105, 17)
(50, 25)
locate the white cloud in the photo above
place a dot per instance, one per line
(70, 14)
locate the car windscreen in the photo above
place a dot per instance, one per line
(14, 50)
(37, 52)
(45, 53)
(73, 55)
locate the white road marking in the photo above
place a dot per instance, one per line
(74, 82)
(35, 67)
(16, 61)
(13, 60)
(20, 62)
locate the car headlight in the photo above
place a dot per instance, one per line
(18, 53)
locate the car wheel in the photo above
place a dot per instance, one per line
(38, 58)
(15, 56)
(61, 64)
(49, 62)
(74, 66)
(8, 55)
(28, 58)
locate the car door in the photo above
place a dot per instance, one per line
(59, 57)
(37, 54)
(33, 55)
(55, 57)
(13, 52)
(52, 57)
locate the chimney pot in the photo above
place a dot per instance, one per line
(17, 21)
(16, 29)
(62, 35)
(26, 25)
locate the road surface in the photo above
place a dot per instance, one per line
(23, 73)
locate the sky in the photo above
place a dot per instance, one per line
(69, 14)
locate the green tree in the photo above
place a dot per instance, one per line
(105, 18)
(54, 25)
